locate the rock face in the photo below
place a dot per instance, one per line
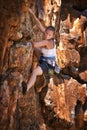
(62, 103)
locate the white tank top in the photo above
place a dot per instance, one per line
(49, 52)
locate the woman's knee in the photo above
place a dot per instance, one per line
(38, 71)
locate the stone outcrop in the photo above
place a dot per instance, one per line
(62, 103)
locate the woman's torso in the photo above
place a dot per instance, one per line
(50, 51)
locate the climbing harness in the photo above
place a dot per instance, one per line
(52, 66)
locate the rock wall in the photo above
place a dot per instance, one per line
(62, 103)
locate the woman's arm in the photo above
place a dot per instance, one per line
(43, 43)
(41, 27)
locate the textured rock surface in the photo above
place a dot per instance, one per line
(62, 104)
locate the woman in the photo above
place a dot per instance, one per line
(48, 50)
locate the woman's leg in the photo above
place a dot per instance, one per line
(36, 72)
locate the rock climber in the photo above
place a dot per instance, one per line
(47, 60)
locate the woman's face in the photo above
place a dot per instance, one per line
(49, 34)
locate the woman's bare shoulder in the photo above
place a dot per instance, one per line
(50, 43)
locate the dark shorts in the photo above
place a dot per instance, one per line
(44, 66)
